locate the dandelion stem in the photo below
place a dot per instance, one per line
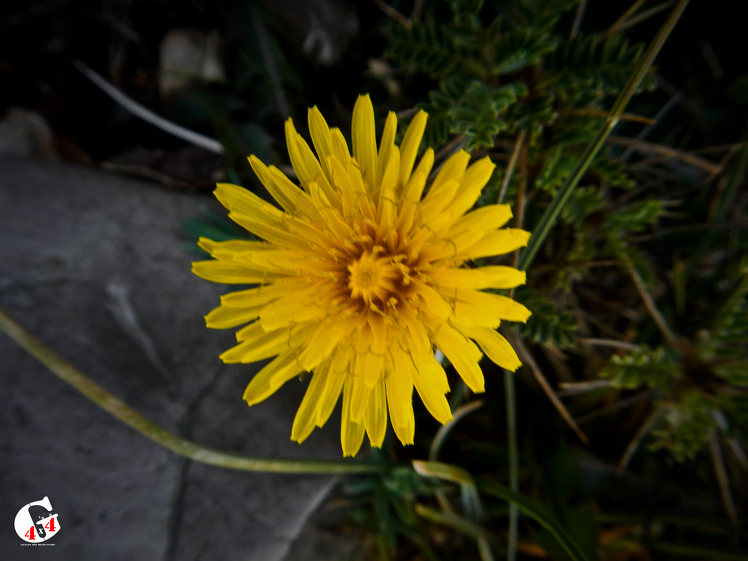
(71, 375)
(548, 219)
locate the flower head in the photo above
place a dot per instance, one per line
(359, 277)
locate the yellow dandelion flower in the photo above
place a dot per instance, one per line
(359, 278)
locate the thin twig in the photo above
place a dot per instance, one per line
(600, 113)
(613, 407)
(626, 20)
(609, 343)
(723, 481)
(576, 388)
(529, 361)
(644, 16)
(577, 19)
(626, 15)
(666, 152)
(651, 307)
(637, 440)
(146, 114)
(510, 166)
(392, 12)
(664, 110)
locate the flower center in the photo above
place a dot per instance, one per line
(373, 277)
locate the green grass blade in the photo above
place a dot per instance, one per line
(458, 475)
(537, 513)
(541, 231)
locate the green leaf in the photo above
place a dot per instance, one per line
(688, 425)
(656, 368)
(547, 324)
(477, 113)
(587, 68)
(520, 47)
(582, 203)
(635, 217)
(537, 513)
(728, 335)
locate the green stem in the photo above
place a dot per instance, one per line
(511, 429)
(548, 219)
(68, 373)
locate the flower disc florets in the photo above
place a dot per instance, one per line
(359, 278)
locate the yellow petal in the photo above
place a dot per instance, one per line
(304, 421)
(262, 295)
(340, 147)
(359, 390)
(351, 432)
(387, 203)
(435, 302)
(484, 309)
(471, 186)
(427, 377)
(327, 336)
(410, 144)
(294, 309)
(224, 317)
(482, 219)
(279, 233)
(482, 277)
(364, 137)
(496, 347)
(452, 170)
(399, 387)
(267, 381)
(230, 273)
(288, 195)
(242, 201)
(386, 146)
(333, 387)
(306, 165)
(376, 415)
(227, 249)
(413, 190)
(498, 243)
(322, 139)
(463, 354)
(263, 345)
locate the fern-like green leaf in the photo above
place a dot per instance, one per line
(656, 368)
(583, 202)
(477, 113)
(687, 427)
(635, 217)
(520, 47)
(547, 324)
(586, 65)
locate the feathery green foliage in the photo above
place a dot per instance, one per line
(547, 324)
(656, 368)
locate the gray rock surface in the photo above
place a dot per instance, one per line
(98, 267)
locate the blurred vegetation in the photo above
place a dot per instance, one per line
(639, 294)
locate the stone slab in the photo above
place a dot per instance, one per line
(98, 267)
